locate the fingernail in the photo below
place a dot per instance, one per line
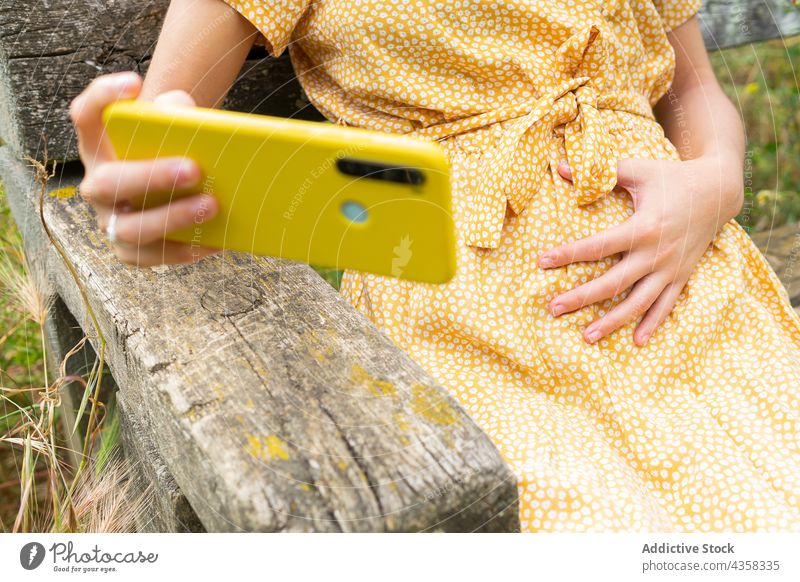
(124, 82)
(202, 206)
(546, 261)
(556, 309)
(593, 336)
(564, 165)
(185, 173)
(644, 338)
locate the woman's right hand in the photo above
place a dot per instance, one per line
(109, 185)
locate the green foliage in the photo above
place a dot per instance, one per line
(332, 276)
(762, 81)
(20, 348)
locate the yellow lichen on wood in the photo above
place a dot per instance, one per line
(276, 448)
(401, 422)
(321, 353)
(359, 376)
(431, 406)
(219, 391)
(97, 241)
(403, 425)
(253, 446)
(64, 193)
(268, 448)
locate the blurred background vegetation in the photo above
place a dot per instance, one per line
(20, 349)
(761, 80)
(21, 362)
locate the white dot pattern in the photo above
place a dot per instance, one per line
(697, 431)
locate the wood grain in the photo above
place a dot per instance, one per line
(50, 50)
(728, 23)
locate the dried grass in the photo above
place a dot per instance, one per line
(97, 495)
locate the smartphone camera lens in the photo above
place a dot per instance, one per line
(354, 212)
(413, 176)
(380, 171)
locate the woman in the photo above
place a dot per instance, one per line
(610, 327)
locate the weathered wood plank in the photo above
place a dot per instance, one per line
(781, 247)
(728, 23)
(170, 511)
(50, 50)
(274, 405)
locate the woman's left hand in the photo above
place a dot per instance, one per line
(679, 206)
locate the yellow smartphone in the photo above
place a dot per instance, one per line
(328, 195)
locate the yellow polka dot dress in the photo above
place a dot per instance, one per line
(696, 431)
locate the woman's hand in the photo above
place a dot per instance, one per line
(110, 185)
(679, 208)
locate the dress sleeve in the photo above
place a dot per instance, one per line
(675, 12)
(274, 19)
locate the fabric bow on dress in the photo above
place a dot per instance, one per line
(513, 169)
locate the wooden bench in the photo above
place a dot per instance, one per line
(252, 396)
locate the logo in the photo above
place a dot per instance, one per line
(402, 255)
(31, 555)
